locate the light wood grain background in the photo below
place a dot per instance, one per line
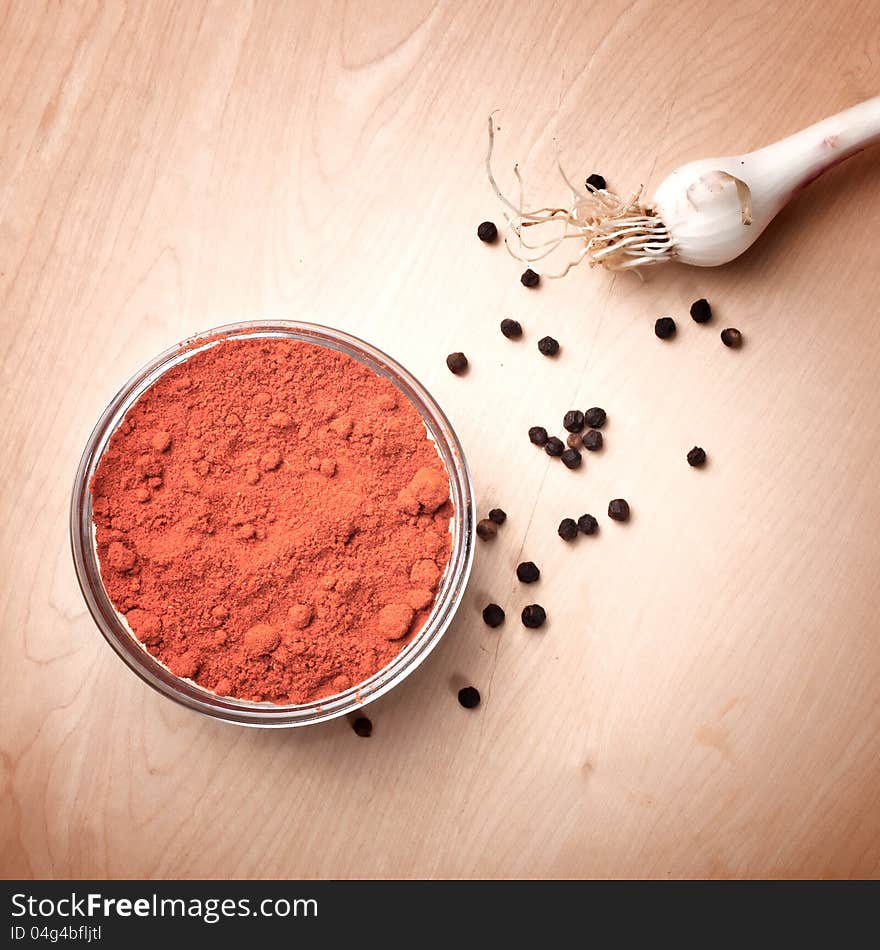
(705, 699)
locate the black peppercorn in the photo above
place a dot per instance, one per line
(469, 697)
(530, 278)
(593, 440)
(533, 616)
(486, 529)
(573, 420)
(498, 515)
(487, 232)
(493, 615)
(528, 572)
(567, 529)
(696, 456)
(596, 181)
(571, 458)
(618, 510)
(457, 363)
(548, 346)
(701, 311)
(595, 417)
(538, 435)
(664, 327)
(512, 329)
(732, 337)
(587, 524)
(554, 447)
(574, 441)
(362, 727)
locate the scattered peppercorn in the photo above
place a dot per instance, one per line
(596, 181)
(469, 697)
(528, 572)
(486, 529)
(512, 329)
(567, 529)
(664, 327)
(493, 615)
(533, 616)
(538, 435)
(593, 440)
(487, 232)
(574, 441)
(571, 458)
(498, 515)
(530, 278)
(587, 524)
(548, 346)
(554, 447)
(363, 727)
(618, 510)
(701, 311)
(457, 363)
(573, 420)
(732, 337)
(595, 417)
(696, 456)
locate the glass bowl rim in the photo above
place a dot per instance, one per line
(243, 712)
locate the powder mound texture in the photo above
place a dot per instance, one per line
(272, 520)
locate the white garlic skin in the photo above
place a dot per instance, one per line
(701, 208)
(703, 211)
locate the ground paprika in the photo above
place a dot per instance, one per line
(272, 520)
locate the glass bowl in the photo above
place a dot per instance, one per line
(243, 712)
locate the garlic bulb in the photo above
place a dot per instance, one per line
(705, 213)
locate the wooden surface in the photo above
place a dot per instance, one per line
(705, 699)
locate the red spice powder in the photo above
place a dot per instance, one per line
(272, 520)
